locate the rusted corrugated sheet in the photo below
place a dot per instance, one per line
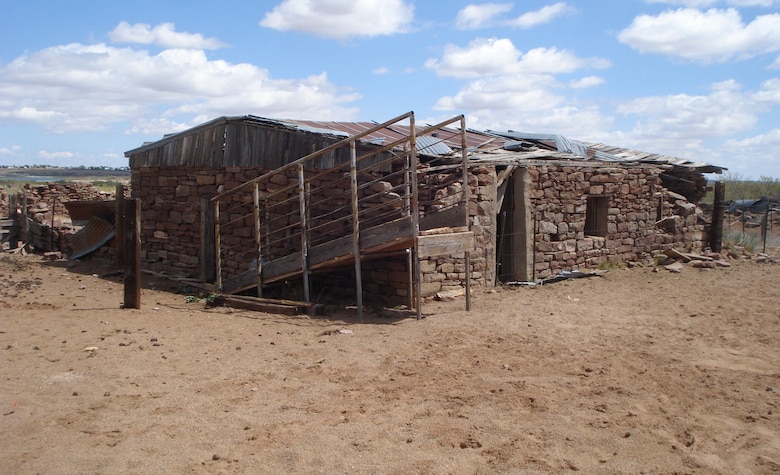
(91, 237)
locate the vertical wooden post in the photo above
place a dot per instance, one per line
(51, 227)
(16, 216)
(304, 234)
(415, 208)
(207, 261)
(258, 240)
(25, 230)
(119, 234)
(217, 246)
(132, 267)
(718, 214)
(356, 227)
(466, 189)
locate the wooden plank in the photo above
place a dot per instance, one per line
(261, 305)
(441, 244)
(238, 283)
(455, 216)
(372, 237)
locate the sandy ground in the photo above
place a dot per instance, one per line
(633, 372)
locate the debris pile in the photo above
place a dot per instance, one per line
(48, 226)
(675, 261)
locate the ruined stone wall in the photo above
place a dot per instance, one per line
(559, 196)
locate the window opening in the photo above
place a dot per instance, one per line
(596, 216)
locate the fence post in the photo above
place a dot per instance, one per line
(718, 210)
(356, 226)
(119, 234)
(132, 252)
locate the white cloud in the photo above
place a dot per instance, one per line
(54, 155)
(164, 35)
(726, 110)
(544, 15)
(79, 88)
(341, 19)
(709, 3)
(525, 103)
(711, 36)
(11, 151)
(493, 57)
(586, 82)
(775, 64)
(769, 92)
(381, 70)
(750, 154)
(473, 17)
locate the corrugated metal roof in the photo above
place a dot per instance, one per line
(430, 145)
(562, 144)
(447, 136)
(627, 154)
(447, 140)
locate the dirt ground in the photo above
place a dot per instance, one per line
(633, 372)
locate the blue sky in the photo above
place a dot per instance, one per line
(81, 82)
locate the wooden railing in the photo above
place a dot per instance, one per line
(297, 218)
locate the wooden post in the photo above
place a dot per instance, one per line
(356, 227)
(415, 207)
(217, 246)
(16, 216)
(119, 234)
(51, 227)
(207, 261)
(132, 267)
(464, 152)
(25, 224)
(258, 240)
(304, 234)
(718, 213)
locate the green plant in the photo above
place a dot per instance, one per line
(612, 265)
(210, 298)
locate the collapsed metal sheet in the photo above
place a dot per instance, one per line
(91, 237)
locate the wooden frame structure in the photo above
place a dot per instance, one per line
(304, 219)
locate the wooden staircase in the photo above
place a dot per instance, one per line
(300, 219)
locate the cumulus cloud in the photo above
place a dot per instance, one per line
(544, 15)
(164, 35)
(586, 82)
(473, 17)
(769, 93)
(525, 102)
(725, 111)
(54, 155)
(499, 56)
(709, 3)
(703, 36)
(81, 88)
(341, 19)
(10, 151)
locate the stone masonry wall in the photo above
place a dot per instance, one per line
(442, 273)
(171, 206)
(559, 195)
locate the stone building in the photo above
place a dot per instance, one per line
(285, 206)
